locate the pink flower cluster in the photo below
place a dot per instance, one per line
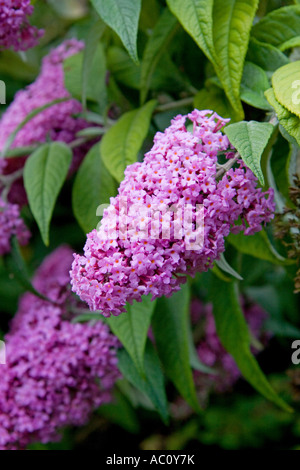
(11, 224)
(179, 170)
(15, 29)
(57, 372)
(58, 122)
(211, 351)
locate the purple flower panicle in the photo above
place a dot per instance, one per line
(57, 372)
(179, 170)
(11, 224)
(15, 30)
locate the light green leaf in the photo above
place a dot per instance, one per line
(122, 16)
(132, 329)
(234, 334)
(196, 18)
(225, 266)
(250, 139)
(152, 383)
(44, 174)
(286, 86)
(278, 26)
(121, 144)
(215, 99)
(160, 38)
(92, 187)
(232, 22)
(266, 56)
(293, 42)
(289, 121)
(254, 83)
(259, 246)
(171, 331)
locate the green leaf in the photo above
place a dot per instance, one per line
(92, 187)
(234, 334)
(259, 246)
(73, 75)
(122, 67)
(196, 18)
(293, 42)
(232, 22)
(223, 264)
(158, 42)
(16, 266)
(289, 121)
(215, 99)
(120, 412)
(94, 64)
(85, 75)
(278, 26)
(132, 329)
(44, 174)
(254, 83)
(122, 16)
(122, 142)
(94, 77)
(266, 56)
(250, 139)
(171, 331)
(152, 384)
(286, 86)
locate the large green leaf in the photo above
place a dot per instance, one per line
(132, 329)
(152, 383)
(266, 56)
(93, 74)
(160, 38)
(196, 18)
(234, 334)
(122, 16)
(286, 86)
(122, 67)
(171, 331)
(121, 144)
(278, 26)
(232, 22)
(259, 246)
(92, 187)
(254, 83)
(44, 174)
(84, 75)
(289, 121)
(250, 139)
